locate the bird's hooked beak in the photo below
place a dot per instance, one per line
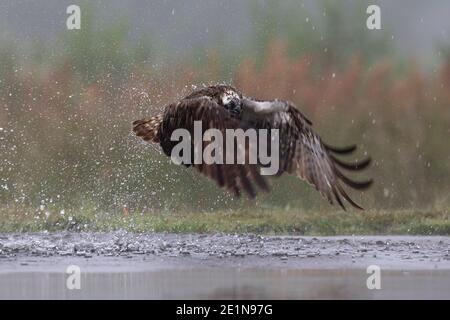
(234, 106)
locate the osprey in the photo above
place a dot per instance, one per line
(301, 150)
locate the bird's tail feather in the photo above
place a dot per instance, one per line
(148, 128)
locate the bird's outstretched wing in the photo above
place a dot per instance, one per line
(302, 151)
(234, 177)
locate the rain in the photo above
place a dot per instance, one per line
(77, 187)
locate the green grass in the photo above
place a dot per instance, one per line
(276, 221)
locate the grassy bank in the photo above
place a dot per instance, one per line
(276, 221)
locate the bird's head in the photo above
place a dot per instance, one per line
(231, 101)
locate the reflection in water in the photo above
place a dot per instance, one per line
(216, 283)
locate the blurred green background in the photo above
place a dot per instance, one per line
(67, 103)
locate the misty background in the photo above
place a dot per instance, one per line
(417, 27)
(67, 98)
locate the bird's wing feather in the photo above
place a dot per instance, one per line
(302, 151)
(234, 177)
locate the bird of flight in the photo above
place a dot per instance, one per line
(301, 151)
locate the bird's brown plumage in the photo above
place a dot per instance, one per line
(302, 151)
